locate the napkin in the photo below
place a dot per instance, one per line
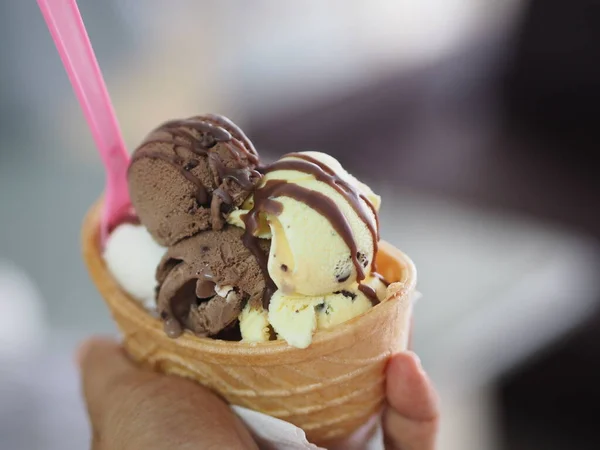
(271, 433)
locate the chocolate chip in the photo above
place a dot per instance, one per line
(204, 248)
(342, 278)
(346, 294)
(284, 267)
(362, 258)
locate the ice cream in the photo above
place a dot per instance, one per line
(296, 317)
(206, 280)
(322, 222)
(283, 250)
(132, 256)
(323, 227)
(187, 174)
(254, 324)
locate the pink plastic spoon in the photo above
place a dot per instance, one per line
(74, 47)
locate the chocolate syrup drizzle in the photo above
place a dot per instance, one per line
(264, 203)
(369, 293)
(213, 129)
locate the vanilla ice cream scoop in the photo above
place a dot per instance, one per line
(295, 318)
(324, 231)
(322, 223)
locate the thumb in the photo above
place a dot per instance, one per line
(411, 418)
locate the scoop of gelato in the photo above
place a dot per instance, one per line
(132, 257)
(187, 174)
(283, 249)
(322, 222)
(205, 281)
(296, 317)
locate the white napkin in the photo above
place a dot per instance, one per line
(276, 434)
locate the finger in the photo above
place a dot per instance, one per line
(411, 418)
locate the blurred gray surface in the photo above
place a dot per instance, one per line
(44, 199)
(41, 406)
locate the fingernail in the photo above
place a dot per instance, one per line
(418, 362)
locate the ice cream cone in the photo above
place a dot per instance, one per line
(328, 389)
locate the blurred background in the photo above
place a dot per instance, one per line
(476, 120)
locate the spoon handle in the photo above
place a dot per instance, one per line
(68, 32)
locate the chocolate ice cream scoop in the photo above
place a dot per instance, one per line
(188, 173)
(206, 280)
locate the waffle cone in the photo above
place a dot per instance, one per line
(328, 389)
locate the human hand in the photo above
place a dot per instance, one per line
(131, 408)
